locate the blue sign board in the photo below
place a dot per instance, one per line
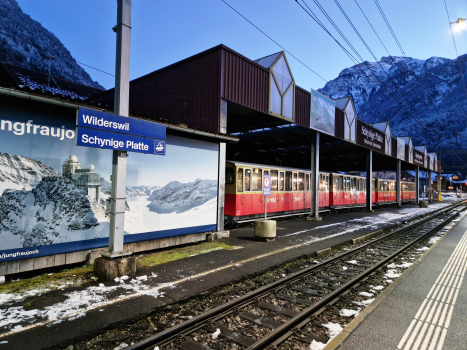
(112, 140)
(91, 118)
(266, 185)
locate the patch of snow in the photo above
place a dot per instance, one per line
(391, 274)
(344, 268)
(422, 249)
(364, 303)
(216, 333)
(352, 262)
(316, 345)
(348, 313)
(121, 346)
(366, 294)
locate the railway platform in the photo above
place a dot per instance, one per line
(423, 310)
(51, 325)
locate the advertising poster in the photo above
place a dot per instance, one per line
(322, 114)
(53, 193)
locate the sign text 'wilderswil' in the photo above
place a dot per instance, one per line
(106, 130)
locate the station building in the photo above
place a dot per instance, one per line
(217, 106)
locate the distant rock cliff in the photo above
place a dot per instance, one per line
(433, 95)
(25, 42)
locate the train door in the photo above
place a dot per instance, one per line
(247, 192)
(301, 190)
(288, 195)
(257, 199)
(307, 191)
(325, 202)
(354, 190)
(282, 195)
(296, 194)
(274, 197)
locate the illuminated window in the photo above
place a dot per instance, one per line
(274, 180)
(240, 180)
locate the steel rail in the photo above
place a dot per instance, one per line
(188, 325)
(285, 327)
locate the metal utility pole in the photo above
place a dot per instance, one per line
(121, 107)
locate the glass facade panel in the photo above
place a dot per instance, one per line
(281, 71)
(276, 99)
(288, 104)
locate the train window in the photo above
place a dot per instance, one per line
(307, 182)
(281, 181)
(266, 172)
(373, 185)
(240, 180)
(346, 183)
(288, 181)
(257, 181)
(274, 180)
(294, 182)
(247, 179)
(327, 183)
(320, 184)
(229, 176)
(301, 183)
(341, 183)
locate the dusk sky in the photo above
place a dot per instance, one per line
(166, 31)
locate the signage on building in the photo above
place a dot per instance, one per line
(90, 118)
(369, 137)
(106, 130)
(418, 158)
(112, 140)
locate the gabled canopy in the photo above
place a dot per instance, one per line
(384, 127)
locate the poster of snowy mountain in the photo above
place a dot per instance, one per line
(322, 114)
(53, 193)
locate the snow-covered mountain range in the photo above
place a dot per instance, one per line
(25, 42)
(432, 98)
(179, 197)
(18, 173)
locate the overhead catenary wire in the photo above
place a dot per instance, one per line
(246, 19)
(359, 64)
(455, 47)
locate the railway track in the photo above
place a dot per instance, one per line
(276, 313)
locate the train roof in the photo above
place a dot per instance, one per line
(270, 166)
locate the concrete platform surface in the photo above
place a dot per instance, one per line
(426, 310)
(74, 312)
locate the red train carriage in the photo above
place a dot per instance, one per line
(408, 191)
(348, 190)
(290, 190)
(385, 191)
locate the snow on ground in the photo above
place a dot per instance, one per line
(76, 305)
(333, 330)
(371, 221)
(349, 313)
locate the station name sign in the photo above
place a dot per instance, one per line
(369, 137)
(418, 158)
(106, 130)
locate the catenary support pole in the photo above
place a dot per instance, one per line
(430, 187)
(398, 183)
(221, 187)
(314, 210)
(121, 107)
(417, 184)
(369, 181)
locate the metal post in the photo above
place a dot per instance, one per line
(314, 210)
(221, 187)
(369, 182)
(121, 107)
(417, 184)
(430, 190)
(398, 183)
(265, 207)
